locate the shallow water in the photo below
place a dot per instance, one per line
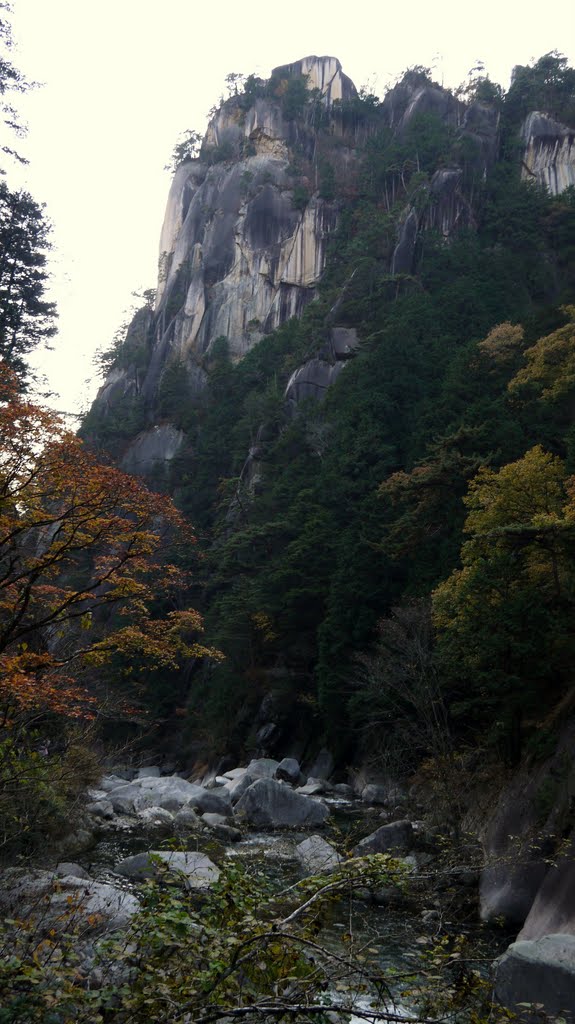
(383, 938)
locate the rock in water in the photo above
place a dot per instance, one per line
(268, 803)
(317, 856)
(199, 871)
(539, 972)
(397, 837)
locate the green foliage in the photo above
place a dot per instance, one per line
(26, 318)
(186, 148)
(218, 154)
(300, 197)
(327, 189)
(38, 788)
(294, 96)
(548, 85)
(505, 640)
(243, 948)
(550, 369)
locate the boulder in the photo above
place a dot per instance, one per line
(263, 768)
(95, 795)
(395, 838)
(211, 801)
(101, 809)
(109, 782)
(235, 773)
(288, 770)
(67, 903)
(343, 791)
(151, 772)
(128, 797)
(523, 837)
(238, 787)
(554, 908)
(221, 828)
(156, 818)
(198, 870)
(214, 819)
(170, 792)
(317, 856)
(66, 868)
(186, 820)
(314, 787)
(382, 793)
(268, 803)
(344, 341)
(540, 971)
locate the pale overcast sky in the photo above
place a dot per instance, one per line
(123, 78)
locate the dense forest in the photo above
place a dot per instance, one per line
(411, 534)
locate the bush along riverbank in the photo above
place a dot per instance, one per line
(246, 899)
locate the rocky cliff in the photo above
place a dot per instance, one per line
(248, 222)
(549, 152)
(247, 227)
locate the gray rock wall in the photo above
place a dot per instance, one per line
(529, 843)
(549, 153)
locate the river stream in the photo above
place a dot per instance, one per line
(389, 939)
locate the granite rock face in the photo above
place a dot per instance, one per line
(238, 256)
(244, 243)
(549, 153)
(553, 909)
(528, 847)
(541, 972)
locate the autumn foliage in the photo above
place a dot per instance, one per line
(79, 566)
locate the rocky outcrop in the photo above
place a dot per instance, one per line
(528, 847)
(549, 152)
(541, 973)
(317, 856)
(267, 803)
(197, 870)
(243, 246)
(323, 73)
(245, 239)
(239, 252)
(395, 838)
(65, 903)
(311, 381)
(553, 909)
(152, 450)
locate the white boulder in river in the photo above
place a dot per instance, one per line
(198, 870)
(170, 793)
(317, 856)
(268, 803)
